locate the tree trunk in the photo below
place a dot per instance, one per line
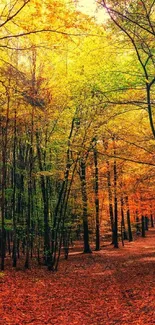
(61, 207)
(146, 223)
(115, 228)
(111, 210)
(4, 137)
(128, 220)
(143, 226)
(28, 222)
(30, 202)
(124, 232)
(46, 206)
(14, 196)
(84, 203)
(97, 200)
(152, 223)
(137, 223)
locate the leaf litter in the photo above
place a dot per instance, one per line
(112, 286)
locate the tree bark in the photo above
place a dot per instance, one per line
(4, 133)
(14, 196)
(97, 200)
(115, 227)
(111, 210)
(143, 226)
(124, 232)
(45, 204)
(152, 223)
(85, 208)
(128, 220)
(30, 199)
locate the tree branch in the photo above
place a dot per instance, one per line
(15, 14)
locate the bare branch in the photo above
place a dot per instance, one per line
(111, 10)
(15, 14)
(48, 31)
(127, 159)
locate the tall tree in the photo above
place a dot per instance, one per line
(97, 196)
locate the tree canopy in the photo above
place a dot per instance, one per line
(77, 125)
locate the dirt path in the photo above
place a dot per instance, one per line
(113, 286)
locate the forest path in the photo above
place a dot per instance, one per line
(112, 286)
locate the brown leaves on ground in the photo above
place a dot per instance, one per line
(113, 286)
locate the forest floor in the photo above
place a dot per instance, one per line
(112, 286)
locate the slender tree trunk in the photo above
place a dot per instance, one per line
(46, 206)
(14, 196)
(85, 208)
(128, 220)
(31, 158)
(143, 226)
(152, 223)
(63, 212)
(115, 228)
(97, 200)
(3, 210)
(110, 199)
(146, 223)
(124, 232)
(137, 223)
(8, 240)
(29, 212)
(60, 208)
(111, 209)
(28, 223)
(4, 134)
